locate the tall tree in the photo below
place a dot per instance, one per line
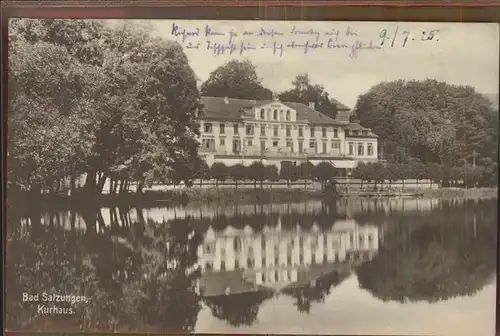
(430, 120)
(235, 79)
(304, 91)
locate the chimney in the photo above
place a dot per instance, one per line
(311, 105)
(226, 100)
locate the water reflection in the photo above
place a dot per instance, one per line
(157, 269)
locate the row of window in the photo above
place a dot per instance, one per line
(208, 128)
(360, 149)
(335, 145)
(276, 115)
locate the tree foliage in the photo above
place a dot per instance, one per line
(109, 101)
(304, 91)
(235, 79)
(430, 120)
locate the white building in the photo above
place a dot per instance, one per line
(243, 131)
(240, 260)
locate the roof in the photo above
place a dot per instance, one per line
(340, 106)
(217, 108)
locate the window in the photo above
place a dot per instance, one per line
(208, 128)
(276, 260)
(208, 143)
(249, 263)
(335, 133)
(313, 258)
(324, 147)
(351, 148)
(370, 149)
(276, 276)
(323, 131)
(361, 149)
(288, 144)
(361, 239)
(249, 143)
(249, 129)
(264, 261)
(275, 131)
(262, 114)
(263, 130)
(312, 144)
(312, 131)
(365, 132)
(236, 264)
(209, 266)
(288, 131)
(223, 265)
(222, 142)
(236, 128)
(335, 144)
(301, 131)
(275, 115)
(354, 132)
(275, 143)
(301, 147)
(351, 238)
(262, 146)
(287, 115)
(222, 128)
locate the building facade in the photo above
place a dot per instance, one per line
(243, 131)
(276, 259)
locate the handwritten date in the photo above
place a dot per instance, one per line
(403, 37)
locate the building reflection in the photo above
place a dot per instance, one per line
(242, 260)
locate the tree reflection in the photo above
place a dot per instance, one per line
(435, 256)
(316, 291)
(237, 309)
(139, 277)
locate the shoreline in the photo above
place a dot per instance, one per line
(228, 196)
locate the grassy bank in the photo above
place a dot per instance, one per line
(471, 193)
(221, 196)
(249, 196)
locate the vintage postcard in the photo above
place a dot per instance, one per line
(252, 177)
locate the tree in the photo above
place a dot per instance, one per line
(434, 256)
(391, 173)
(128, 99)
(434, 172)
(219, 171)
(257, 172)
(272, 174)
(237, 173)
(324, 172)
(376, 171)
(430, 120)
(306, 171)
(235, 79)
(288, 172)
(418, 170)
(303, 91)
(360, 172)
(237, 309)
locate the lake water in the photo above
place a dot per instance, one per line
(357, 266)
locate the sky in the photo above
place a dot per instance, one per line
(458, 53)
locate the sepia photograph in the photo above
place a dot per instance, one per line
(252, 177)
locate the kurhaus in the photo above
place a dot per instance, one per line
(242, 131)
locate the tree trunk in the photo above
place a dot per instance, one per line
(403, 184)
(72, 184)
(90, 182)
(140, 187)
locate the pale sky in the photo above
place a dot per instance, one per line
(459, 53)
